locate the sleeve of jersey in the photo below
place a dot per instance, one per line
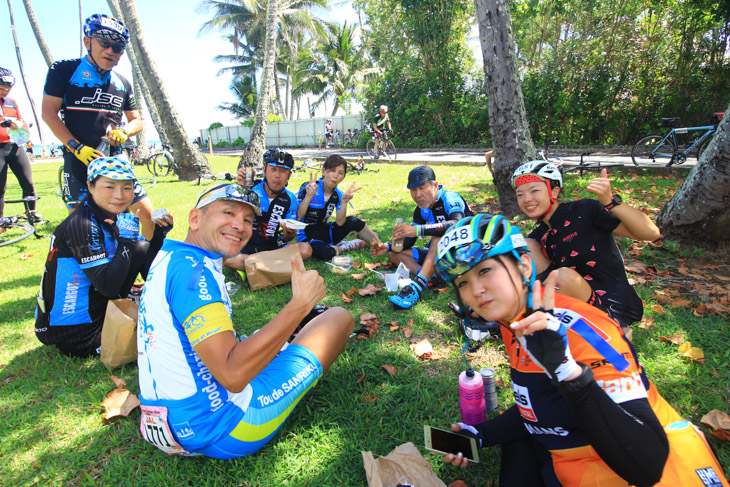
(302, 193)
(602, 218)
(207, 321)
(293, 207)
(56, 79)
(339, 198)
(454, 203)
(86, 242)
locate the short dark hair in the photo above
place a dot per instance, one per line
(333, 162)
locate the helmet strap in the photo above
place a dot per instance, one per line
(101, 70)
(552, 200)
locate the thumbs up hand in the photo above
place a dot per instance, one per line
(307, 286)
(601, 187)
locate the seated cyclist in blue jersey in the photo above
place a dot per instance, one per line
(277, 203)
(201, 389)
(318, 199)
(437, 209)
(96, 254)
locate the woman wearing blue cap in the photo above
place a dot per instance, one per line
(96, 254)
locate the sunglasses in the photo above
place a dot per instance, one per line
(106, 44)
(231, 192)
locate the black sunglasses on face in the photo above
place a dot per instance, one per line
(105, 44)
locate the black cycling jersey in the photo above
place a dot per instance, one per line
(581, 238)
(449, 206)
(266, 231)
(319, 209)
(381, 120)
(91, 102)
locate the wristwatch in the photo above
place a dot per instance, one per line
(585, 378)
(615, 201)
(73, 144)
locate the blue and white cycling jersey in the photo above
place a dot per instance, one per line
(184, 302)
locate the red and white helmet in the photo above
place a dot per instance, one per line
(384, 108)
(537, 170)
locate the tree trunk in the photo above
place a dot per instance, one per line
(511, 137)
(186, 156)
(81, 29)
(22, 76)
(698, 212)
(37, 32)
(254, 152)
(138, 79)
(142, 145)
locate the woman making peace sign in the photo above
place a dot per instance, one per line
(318, 199)
(585, 412)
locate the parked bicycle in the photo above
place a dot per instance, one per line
(308, 164)
(162, 162)
(386, 147)
(359, 167)
(19, 227)
(666, 149)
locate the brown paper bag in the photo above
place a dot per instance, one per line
(119, 334)
(271, 268)
(403, 465)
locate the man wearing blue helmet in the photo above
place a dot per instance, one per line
(585, 414)
(277, 203)
(96, 254)
(84, 100)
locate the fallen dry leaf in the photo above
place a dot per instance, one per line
(694, 353)
(646, 323)
(719, 421)
(458, 483)
(679, 303)
(677, 338)
(26, 256)
(356, 264)
(118, 381)
(407, 332)
(345, 299)
(657, 309)
(359, 276)
(393, 325)
(362, 377)
(351, 291)
(410, 322)
(371, 266)
(390, 369)
(369, 290)
(367, 316)
(441, 289)
(424, 349)
(119, 402)
(369, 398)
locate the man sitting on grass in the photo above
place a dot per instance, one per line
(437, 209)
(201, 389)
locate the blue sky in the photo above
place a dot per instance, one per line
(184, 58)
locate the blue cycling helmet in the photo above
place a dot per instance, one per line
(102, 25)
(474, 239)
(279, 158)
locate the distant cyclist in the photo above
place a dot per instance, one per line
(11, 155)
(84, 100)
(379, 122)
(328, 131)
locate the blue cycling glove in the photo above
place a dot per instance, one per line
(549, 349)
(128, 226)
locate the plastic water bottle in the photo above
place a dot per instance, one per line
(104, 146)
(471, 397)
(397, 244)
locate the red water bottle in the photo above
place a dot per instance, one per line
(471, 397)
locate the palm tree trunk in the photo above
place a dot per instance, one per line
(140, 87)
(277, 90)
(255, 150)
(37, 32)
(81, 29)
(186, 156)
(22, 76)
(511, 136)
(142, 145)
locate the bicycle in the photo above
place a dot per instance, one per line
(385, 148)
(19, 227)
(359, 167)
(161, 163)
(307, 164)
(664, 149)
(584, 165)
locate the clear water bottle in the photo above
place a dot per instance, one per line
(104, 146)
(397, 244)
(471, 397)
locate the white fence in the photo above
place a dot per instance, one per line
(297, 133)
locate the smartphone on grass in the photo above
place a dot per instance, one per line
(443, 442)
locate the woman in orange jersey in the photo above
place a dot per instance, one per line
(585, 412)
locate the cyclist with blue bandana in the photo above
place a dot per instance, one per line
(277, 203)
(96, 254)
(436, 210)
(203, 389)
(84, 100)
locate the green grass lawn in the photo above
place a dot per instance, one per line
(51, 424)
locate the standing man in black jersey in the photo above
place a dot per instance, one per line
(437, 209)
(379, 122)
(83, 101)
(277, 203)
